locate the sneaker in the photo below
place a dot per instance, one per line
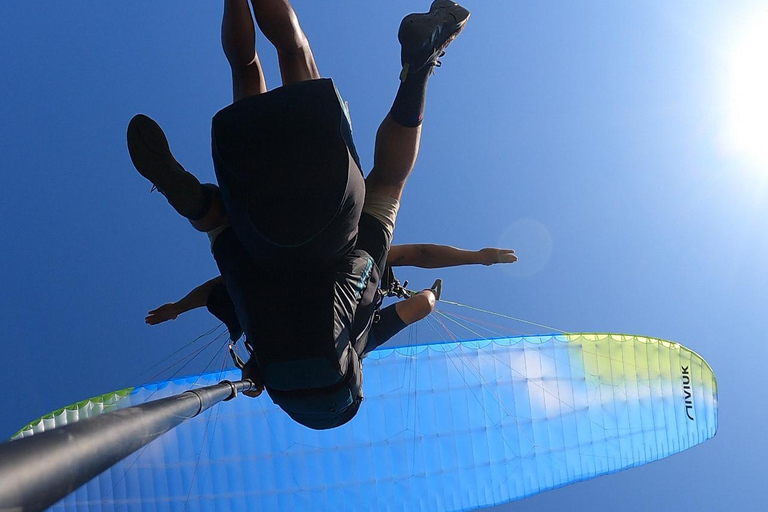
(152, 157)
(424, 36)
(437, 288)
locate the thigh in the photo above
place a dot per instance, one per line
(374, 238)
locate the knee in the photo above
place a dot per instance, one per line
(239, 58)
(292, 45)
(287, 36)
(424, 303)
(417, 307)
(427, 301)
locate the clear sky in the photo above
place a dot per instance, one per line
(619, 147)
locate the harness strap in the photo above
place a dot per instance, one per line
(344, 382)
(391, 287)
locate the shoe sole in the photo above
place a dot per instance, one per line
(152, 157)
(461, 15)
(149, 150)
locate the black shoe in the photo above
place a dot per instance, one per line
(424, 36)
(152, 157)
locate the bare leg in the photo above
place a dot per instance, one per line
(238, 39)
(394, 157)
(414, 308)
(423, 38)
(278, 22)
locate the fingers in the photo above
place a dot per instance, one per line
(507, 256)
(162, 314)
(155, 319)
(493, 256)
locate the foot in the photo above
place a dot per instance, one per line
(424, 36)
(437, 288)
(152, 157)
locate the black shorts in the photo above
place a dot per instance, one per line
(372, 327)
(373, 238)
(297, 306)
(289, 174)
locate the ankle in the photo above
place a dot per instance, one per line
(408, 107)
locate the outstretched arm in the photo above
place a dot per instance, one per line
(439, 256)
(197, 298)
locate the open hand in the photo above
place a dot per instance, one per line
(162, 314)
(490, 256)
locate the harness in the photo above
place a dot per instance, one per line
(391, 287)
(335, 399)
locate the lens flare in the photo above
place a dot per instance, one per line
(747, 103)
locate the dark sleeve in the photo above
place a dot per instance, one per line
(220, 305)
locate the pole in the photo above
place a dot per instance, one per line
(37, 471)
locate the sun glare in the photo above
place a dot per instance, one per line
(747, 126)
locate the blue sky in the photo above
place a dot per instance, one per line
(617, 146)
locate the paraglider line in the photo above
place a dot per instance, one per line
(179, 350)
(469, 364)
(570, 406)
(502, 315)
(465, 363)
(190, 357)
(502, 331)
(205, 431)
(447, 317)
(141, 451)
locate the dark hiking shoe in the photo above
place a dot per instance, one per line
(424, 36)
(152, 157)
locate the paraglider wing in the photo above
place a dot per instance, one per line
(452, 426)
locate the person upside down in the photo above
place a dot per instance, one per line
(300, 238)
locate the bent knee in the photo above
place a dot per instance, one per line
(417, 307)
(427, 300)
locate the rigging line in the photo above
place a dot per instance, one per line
(453, 337)
(414, 373)
(488, 326)
(447, 317)
(147, 399)
(570, 406)
(523, 375)
(189, 357)
(467, 363)
(473, 308)
(206, 429)
(440, 336)
(472, 322)
(472, 365)
(211, 331)
(209, 364)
